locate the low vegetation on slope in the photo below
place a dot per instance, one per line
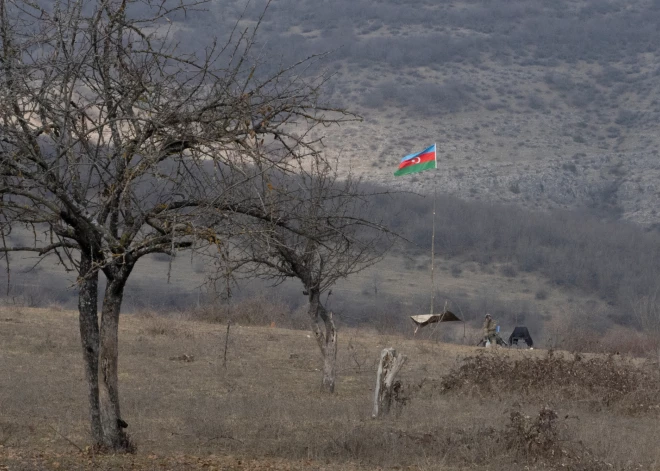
(616, 260)
(613, 262)
(600, 383)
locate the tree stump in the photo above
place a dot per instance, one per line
(388, 367)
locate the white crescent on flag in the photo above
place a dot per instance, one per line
(413, 163)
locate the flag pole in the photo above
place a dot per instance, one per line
(435, 193)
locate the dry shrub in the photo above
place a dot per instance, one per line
(546, 438)
(382, 445)
(616, 339)
(602, 381)
(630, 342)
(534, 437)
(544, 441)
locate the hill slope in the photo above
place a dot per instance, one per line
(545, 104)
(535, 103)
(185, 410)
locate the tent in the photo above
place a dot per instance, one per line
(521, 333)
(423, 320)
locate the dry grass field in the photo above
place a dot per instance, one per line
(461, 407)
(534, 104)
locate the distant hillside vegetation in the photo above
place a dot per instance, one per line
(544, 104)
(490, 256)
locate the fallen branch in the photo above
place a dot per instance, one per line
(66, 438)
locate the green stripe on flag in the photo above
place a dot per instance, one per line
(415, 168)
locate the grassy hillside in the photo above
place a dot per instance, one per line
(185, 411)
(545, 104)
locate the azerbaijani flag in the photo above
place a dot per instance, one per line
(418, 162)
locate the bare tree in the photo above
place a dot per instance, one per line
(312, 225)
(115, 145)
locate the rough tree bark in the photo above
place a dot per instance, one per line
(326, 339)
(89, 336)
(388, 367)
(114, 436)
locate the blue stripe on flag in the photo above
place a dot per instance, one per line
(425, 151)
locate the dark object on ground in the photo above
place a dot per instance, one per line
(521, 333)
(498, 339)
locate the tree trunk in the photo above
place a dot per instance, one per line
(329, 353)
(388, 367)
(326, 339)
(89, 336)
(114, 437)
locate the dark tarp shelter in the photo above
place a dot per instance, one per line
(521, 333)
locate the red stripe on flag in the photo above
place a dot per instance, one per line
(420, 159)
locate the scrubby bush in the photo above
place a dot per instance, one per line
(601, 382)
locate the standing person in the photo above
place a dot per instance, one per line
(490, 330)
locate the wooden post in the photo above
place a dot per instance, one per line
(388, 367)
(228, 293)
(224, 359)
